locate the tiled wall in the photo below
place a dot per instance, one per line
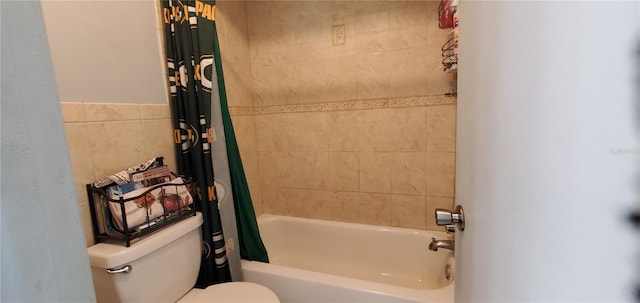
(234, 44)
(391, 49)
(231, 23)
(106, 138)
(358, 132)
(379, 165)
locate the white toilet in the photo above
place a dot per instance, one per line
(163, 267)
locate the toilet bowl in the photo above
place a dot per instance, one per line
(233, 292)
(163, 267)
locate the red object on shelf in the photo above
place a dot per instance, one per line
(445, 16)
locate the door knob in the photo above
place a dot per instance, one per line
(445, 217)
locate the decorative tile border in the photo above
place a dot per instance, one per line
(344, 105)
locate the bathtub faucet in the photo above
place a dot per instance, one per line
(446, 244)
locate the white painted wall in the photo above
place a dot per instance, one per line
(42, 251)
(547, 151)
(107, 51)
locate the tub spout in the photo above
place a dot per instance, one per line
(446, 244)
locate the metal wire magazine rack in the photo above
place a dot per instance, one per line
(127, 219)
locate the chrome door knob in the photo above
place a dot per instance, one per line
(445, 217)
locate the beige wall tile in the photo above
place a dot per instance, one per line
(234, 47)
(238, 84)
(403, 38)
(158, 141)
(343, 130)
(274, 84)
(409, 14)
(374, 209)
(275, 41)
(282, 80)
(372, 27)
(268, 170)
(372, 41)
(408, 173)
(375, 171)
(258, 49)
(311, 81)
(304, 170)
(340, 82)
(155, 111)
(273, 203)
(343, 171)
(267, 129)
(408, 211)
(282, 36)
(116, 146)
(305, 203)
(312, 30)
(317, 204)
(343, 11)
(81, 157)
(244, 128)
(72, 112)
(303, 132)
(441, 128)
(262, 91)
(441, 174)
(345, 206)
(407, 129)
(408, 72)
(258, 12)
(374, 131)
(313, 49)
(372, 75)
(232, 29)
(432, 204)
(408, 24)
(96, 112)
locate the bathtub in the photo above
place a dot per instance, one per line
(325, 261)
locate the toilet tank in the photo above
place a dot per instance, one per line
(163, 266)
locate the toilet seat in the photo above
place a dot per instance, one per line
(233, 292)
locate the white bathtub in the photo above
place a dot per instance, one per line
(325, 261)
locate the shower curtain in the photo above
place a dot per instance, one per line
(189, 46)
(190, 39)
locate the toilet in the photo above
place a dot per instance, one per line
(163, 267)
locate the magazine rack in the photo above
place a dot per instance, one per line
(106, 230)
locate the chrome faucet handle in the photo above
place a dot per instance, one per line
(445, 217)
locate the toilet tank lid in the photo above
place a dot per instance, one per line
(105, 255)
